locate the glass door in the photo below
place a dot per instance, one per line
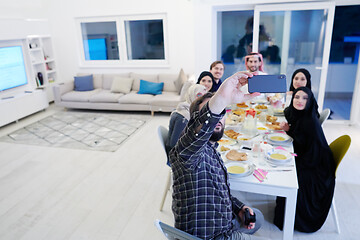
(293, 36)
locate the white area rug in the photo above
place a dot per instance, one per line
(92, 131)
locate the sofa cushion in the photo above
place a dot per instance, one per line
(83, 83)
(184, 89)
(108, 79)
(169, 82)
(134, 98)
(138, 77)
(167, 99)
(180, 81)
(75, 96)
(150, 87)
(97, 79)
(105, 96)
(121, 85)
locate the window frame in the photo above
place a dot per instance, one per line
(123, 61)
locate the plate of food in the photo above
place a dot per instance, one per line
(235, 155)
(279, 155)
(259, 101)
(273, 126)
(224, 149)
(239, 169)
(279, 138)
(242, 105)
(234, 119)
(262, 129)
(231, 133)
(226, 142)
(278, 111)
(261, 107)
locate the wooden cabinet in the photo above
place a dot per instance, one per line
(43, 63)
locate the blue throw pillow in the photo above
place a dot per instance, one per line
(84, 83)
(147, 87)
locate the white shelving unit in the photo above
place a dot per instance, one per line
(21, 105)
(42, 61)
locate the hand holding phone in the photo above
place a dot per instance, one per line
(267, 83)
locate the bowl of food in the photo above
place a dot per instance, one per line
(239, 169)
(244, 140)
(262, 129)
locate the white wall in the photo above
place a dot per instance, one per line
(62, 16)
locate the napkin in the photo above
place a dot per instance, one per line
(260, 174)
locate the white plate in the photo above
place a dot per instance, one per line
(234, 128)
(278, 111)
(226, 142)
(247, 169)
(227, 146)
(286, 155)
(260, 101)
(239, 151)
(278, 137)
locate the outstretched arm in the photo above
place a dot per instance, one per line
(229, 92)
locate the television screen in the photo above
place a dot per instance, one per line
(12, 67)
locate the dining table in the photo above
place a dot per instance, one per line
(264, 175)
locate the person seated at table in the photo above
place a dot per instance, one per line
(300, 78)
(202, 203)
(217, 70)
(181, 115)
(315, 164)
(206, 79)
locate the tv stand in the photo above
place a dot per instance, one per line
(21, 105)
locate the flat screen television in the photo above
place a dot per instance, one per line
(12, 67)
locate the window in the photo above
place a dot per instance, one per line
(100, 41)
(145, 39)
(123, 41)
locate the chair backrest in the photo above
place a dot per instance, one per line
(339, 147)
(163, 134)
(172, 233)
(324, 115)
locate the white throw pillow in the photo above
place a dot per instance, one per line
(180, 81)
(121, 85)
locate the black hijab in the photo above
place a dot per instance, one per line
(204, 74)
(292, 114)
(307, 76)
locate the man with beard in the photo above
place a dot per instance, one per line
(202, 203)
(255, 64)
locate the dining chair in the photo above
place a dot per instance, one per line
(162, 134)
(172, 233)
(324, 115)
(338, 147)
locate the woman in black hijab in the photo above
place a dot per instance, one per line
(315, 164)
(207, 79)
(300, 78)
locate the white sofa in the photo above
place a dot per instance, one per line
(102, 98)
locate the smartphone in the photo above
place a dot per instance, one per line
(267, 83)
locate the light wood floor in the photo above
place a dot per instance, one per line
(57, 193)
